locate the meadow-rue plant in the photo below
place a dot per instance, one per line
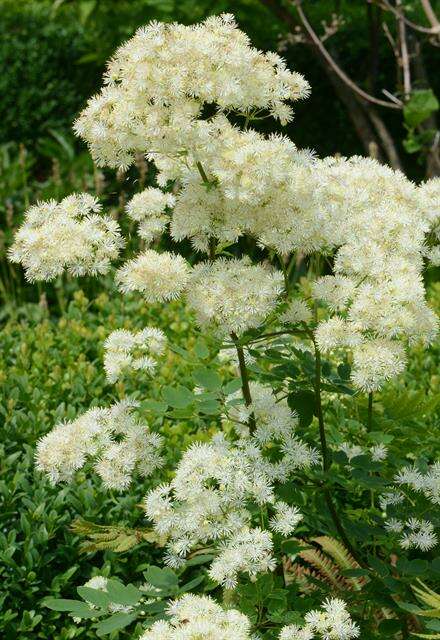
(311, 271)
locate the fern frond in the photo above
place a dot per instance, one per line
(427, 595)
(342, 557)
(112, 538)
(327, 570)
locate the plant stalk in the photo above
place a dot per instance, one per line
(326, 462)
(370, 411)
(245, 389)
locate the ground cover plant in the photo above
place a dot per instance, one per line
(307, 506)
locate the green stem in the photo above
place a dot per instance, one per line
(244, 379)
(212, 249)
(370, 411)
(326, 462)
(202, 172)
(320, 415)
(285, 274)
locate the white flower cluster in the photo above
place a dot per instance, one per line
(297, 311)
(205, 502)
(431, 192)
(275, 425)
(71, 235)
(148, 209)
(233, 295)
(426, 483)
(247, 551)
(158, 82)
(118, 443)
(378, 452)
(262, 187)
(377, 286)
(125, 350)
(331, 622)
(416, 534)
(194, 617)
(158, 276)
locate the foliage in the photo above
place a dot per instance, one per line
(39, 77)
(244, 507)
(51, 369)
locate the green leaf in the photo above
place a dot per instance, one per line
(115, 622)
(178, 397)
(154, 406)
(303, 402)
(123, 594)
(74, 607)
(344, 371)
(409, 606)
(412, 567)
(60, 604)
(207, 378)
(200, 559)
(292, 547)
(232, 386)
(161, 578)
(200, 348)
(95, 596)
(192, 584)
(419, 107)
(210, 407)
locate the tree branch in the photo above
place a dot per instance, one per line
(433, 31)
(431, 15)
(325, 54)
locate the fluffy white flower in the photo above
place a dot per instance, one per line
(248, 551)
(158, 276)
(379, 452)
(427, 483)
(112, 437)
(159, 80)
(286, 518)
(233, 295)
(194, 617)
(393, 525)
(97, 582)
(351, 450)
(331, 622)
(335, 291)
(336, 333)
(151, 202)
(126, 350)
(148, 209)
(71, 235)
(296, 312)
(418, 534)
(275, 424)
(375, 362)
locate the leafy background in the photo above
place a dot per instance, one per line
(52, 55)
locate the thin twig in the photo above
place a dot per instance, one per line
(343, 76)
(431, 15)
(404, 55)
(384, 4)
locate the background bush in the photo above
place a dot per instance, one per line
(51, 370)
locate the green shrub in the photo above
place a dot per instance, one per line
(40, 79)
(50, 370)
